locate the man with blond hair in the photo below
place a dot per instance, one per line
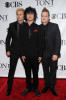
(51, 50)
(13, 48)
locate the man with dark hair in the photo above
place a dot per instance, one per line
(51, 50)
(31, 50)
(32, 10)
(13, 45)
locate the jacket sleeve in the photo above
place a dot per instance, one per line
(57, 41)
(8, 38)
(40, 42)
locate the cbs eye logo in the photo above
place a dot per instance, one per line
(7, 4)
(13, 4)
(53, 16)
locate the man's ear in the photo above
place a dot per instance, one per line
(49, 19)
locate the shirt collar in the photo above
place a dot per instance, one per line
(19, 23)
(45, 26)
(30, 25)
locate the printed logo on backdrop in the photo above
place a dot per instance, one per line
(62, 67)
(2, 42)
(48, 3)
(63, 42)
(4, 66)
(13, 4)
(58, 16)
(3, 18)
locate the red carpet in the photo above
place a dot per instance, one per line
(19, 86)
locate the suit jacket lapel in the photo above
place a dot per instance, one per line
(15, 25)
(48, 29)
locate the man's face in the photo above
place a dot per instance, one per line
(44, 17)
(30, 16)
(20, 15)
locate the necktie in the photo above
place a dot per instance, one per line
(44, 38)
(18, 29)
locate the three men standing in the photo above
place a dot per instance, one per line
(33, 44)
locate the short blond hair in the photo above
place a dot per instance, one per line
(19, 9)
(46, 10)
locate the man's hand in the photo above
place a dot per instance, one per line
(54, 57)
(8, 53)
(39, 59)
(23, 58)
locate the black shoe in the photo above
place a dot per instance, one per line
(26, 91)
(8, 93)
(45, 89)
(37, 92)
(54, 91)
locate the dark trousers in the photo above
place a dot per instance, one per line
(31, 63)
(49, 68)
(13, 62)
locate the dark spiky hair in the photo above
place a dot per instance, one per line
(30, 10)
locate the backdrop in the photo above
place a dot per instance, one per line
(8, 8)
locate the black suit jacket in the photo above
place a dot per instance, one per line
(53, 38)
(32, 46)
(13, 42)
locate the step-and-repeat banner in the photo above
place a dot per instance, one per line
(8, 8)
